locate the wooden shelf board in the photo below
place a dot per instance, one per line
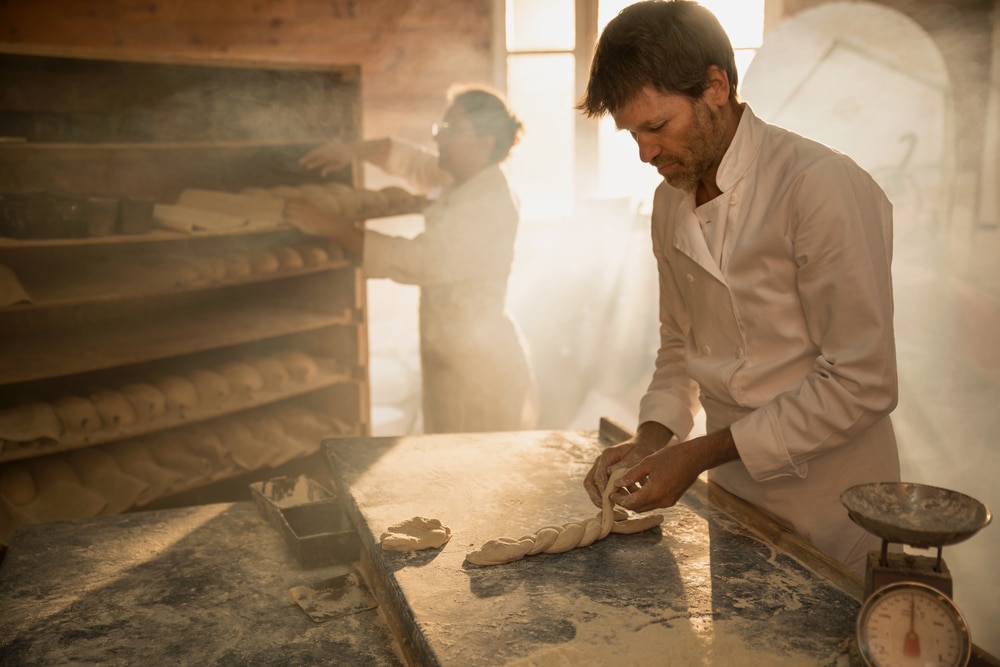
(11, 451)
(60, 353)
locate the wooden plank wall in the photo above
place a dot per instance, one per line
(410, 51)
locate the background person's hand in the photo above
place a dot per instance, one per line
(330, 157)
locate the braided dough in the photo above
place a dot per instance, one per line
(558, 539)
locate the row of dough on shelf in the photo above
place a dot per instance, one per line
(207, 266)
(166, 270)
(114, 477)
(136, 407)
(200, 210)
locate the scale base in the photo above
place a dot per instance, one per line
(905, 567)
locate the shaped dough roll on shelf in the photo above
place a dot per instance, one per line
(272, 372)
(101, 474)
(113, 408)
(300, 366)
(29, 422)
(258, 210)
(77, 415)
(136, 460)
(180, 394)
(243, 379)
(170, 451)
(207, 444)
(213, 389)
(289, 258)
(246, 450)
(60, 492)
(148, 401)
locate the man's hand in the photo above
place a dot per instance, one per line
(649, 438)
(660, 479)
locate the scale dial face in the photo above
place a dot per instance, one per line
(909, 624)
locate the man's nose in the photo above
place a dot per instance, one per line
(648, 148)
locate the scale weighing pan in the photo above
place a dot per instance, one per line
(915, 514)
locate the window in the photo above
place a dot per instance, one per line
(564, 158)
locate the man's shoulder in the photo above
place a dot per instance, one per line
(781, 143)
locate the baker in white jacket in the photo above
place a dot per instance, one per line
(475, 368)
(776, 303)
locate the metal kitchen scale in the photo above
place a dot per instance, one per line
(908, 616)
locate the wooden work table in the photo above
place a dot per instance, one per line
(716, 584)
(704, 588)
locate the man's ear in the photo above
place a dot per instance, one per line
(717, 91)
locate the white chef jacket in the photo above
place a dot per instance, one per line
(787, 335)
(475, 369)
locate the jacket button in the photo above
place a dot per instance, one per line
(738, 352)
(690, 278)
(733, 200)
(706, 350)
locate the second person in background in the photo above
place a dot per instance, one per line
(476, 370)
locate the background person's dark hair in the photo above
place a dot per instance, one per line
(668, 44)
(489, 114)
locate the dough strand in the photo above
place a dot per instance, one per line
(573, 534)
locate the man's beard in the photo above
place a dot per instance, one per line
(703, 150)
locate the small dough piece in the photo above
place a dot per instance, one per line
(30, 421)
(148, 401)
(114, 409)
(77, 415)
(180, 393)
(415, 534)
(213, 389)
(242, 377)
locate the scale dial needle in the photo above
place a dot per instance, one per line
(911, 644)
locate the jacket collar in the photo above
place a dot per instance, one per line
(737, 159)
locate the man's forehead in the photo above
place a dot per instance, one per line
(646, 108)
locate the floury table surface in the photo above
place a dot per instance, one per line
(702, 589)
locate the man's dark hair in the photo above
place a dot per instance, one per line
(489, 114)
(666, 44)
